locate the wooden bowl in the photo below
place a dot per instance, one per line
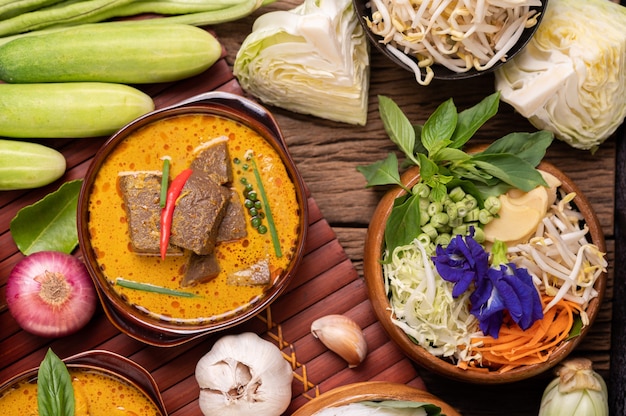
(109, 364)
(372, 391)
(364, 12)
(374, 279)
(131, 317)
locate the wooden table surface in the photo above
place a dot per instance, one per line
(327, 155)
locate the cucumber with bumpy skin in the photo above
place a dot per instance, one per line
(119, 52)
(69, 110)
(26, 165)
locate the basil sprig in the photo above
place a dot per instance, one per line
(55, 393)
(436, 147)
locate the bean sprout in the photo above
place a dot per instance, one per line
(460, 35)
(564, 264)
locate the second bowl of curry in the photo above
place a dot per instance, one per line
(192, 219)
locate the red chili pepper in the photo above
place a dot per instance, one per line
(167, 213)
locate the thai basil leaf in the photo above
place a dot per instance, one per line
(471, 119)
(397, 126)
(55, 393)
(50, 223)
(403, 223)
(419, 147)
(439, 127)
(510, 169)
(530, 147)
(383, 172)
(449, 154)
(428, 168)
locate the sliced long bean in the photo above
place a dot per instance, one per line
(147, 287)
(268, 210)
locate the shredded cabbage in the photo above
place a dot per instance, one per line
(313, 59)
(422, 304)
(571, 77)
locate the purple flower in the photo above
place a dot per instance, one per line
(506, 288)
(496, 289)
(462, 262)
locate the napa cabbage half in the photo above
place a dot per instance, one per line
(571, 77)
(313, 59)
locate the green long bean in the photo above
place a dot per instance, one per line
(10, 9)
(72, 13)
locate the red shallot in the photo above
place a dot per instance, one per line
(50, 294)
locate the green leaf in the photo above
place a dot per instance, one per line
(439, 127)
(55, 393)
(448, 154)
(383, 172)
(428, 168)
(471, 119)
(50, 223)
(510, 169)
(530, 147)
(403, 224)
(397, 126)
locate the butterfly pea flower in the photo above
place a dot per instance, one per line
(506, 287)
(463, 262)
(497, 288)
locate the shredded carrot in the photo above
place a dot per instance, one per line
(515, 347)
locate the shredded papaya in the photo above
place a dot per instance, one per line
(515, 347)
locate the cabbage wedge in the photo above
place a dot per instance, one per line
(313, 59)
(571, 77)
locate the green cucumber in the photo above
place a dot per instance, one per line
(26, 165)
(69, 110)
(117, 52)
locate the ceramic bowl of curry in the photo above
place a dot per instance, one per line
(371, 392)
(103, 382)
(510, 361)
(192, 219)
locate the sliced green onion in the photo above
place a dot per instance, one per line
(147, 287)
(164, 180)
(268, 211)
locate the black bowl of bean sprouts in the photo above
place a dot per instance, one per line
(449, 39)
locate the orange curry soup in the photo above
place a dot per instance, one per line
(96, 393)
(176, 137)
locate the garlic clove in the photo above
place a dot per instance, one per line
(343, 336)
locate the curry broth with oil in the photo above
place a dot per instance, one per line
(176, 137)
(97, 394)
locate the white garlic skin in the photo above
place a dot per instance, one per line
(244, 375)
(343, 336)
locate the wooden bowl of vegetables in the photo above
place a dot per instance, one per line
(529, 352)
(493, 272)
(365, 396)
(192, 219)
(415, 42)
(101, 382)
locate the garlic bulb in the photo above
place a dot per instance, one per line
(244, 375)
(343, 336)
(578, 391)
